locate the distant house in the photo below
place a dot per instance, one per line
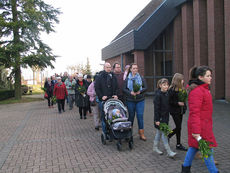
(170, 36)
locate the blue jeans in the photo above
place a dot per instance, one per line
(208, 161)
(102, 113)
(138, 108)
(160, 135)
(71, 98)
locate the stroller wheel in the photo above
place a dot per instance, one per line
(130, 144)
(103, 139)
(118, 146)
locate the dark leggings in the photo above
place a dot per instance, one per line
(89, 108)
(84, 109)
(178, 121)
(50, 100)
(61, 105)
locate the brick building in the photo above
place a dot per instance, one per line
(170, 36)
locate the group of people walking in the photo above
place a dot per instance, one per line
(72, 89)
(130, 88)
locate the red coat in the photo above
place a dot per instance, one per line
(200, 115)
(60, 91)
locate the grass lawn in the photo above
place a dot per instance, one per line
(23, 100)
(36, 90)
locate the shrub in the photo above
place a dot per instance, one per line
(5, 94)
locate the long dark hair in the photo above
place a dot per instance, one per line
(195, 72)
(131, 65)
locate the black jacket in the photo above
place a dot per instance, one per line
(139, 97)
(106, 85)
(174, 107)
(161, 107)
(49, 89)
(81, 101)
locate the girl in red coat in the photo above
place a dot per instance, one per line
(200, 116)
(60, 92)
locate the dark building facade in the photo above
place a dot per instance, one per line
(170, 36)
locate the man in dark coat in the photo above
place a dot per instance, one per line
(105, 87)
(120, 80)
(106, 84)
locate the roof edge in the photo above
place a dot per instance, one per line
(121, 36)
(152, 14)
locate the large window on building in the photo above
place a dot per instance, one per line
(159, 59)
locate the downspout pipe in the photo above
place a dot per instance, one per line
(122, 65)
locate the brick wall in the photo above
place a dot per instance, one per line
(227, 48)
(139, 58)
(200, 32)
(114, 60)
(216, 55)
(187, 39)
(177, 45)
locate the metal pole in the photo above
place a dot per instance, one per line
(122, 65)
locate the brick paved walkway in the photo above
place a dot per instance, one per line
(35, 138)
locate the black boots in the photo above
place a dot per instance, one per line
(186, 169)
(181, 147)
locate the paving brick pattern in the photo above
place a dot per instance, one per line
(35, 138)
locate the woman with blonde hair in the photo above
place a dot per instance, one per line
(177, 108)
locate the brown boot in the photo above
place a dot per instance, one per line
(142, 136)
(198, 156)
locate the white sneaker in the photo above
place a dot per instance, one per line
(155, 149)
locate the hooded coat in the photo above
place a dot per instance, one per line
(161, 107)
(200, 113)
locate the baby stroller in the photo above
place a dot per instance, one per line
(117, 125)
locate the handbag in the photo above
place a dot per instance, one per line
(93, 103)
(46, 96)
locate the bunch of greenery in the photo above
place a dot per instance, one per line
(73, 86)
(204, 148)
(165, 129)
(81, 89)
(182, 95)
(113, 117)
(53, 99)
(136, 87)
(43, 89)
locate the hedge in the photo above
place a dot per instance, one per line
(5, 94)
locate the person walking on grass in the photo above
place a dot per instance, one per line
(161, 115)
(60, 92)
(177, 107)
(200, 123)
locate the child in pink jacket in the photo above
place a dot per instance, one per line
(92, 98)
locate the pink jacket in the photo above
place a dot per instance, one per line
(91, 92)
